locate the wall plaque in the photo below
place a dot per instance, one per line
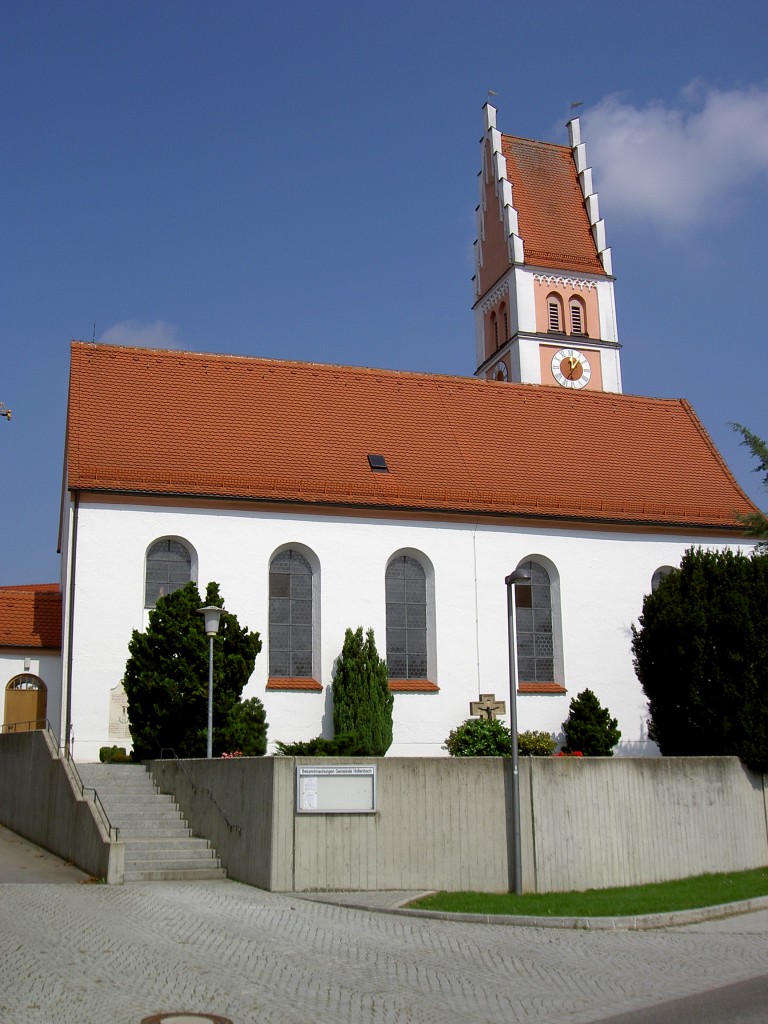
(336, 789)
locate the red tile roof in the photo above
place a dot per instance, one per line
(552, 218)
(155, 422)
(30, 616)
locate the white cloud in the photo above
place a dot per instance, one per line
(679, 167)
(157, 334)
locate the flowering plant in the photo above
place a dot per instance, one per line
(235, 753)
(567, 753)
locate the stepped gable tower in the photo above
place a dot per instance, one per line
(544, 300)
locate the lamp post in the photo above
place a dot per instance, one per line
(518, 576)
(212, 615)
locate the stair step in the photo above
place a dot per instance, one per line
(151, 844)
(159, 845)
(171, 863)
(169, 852)
(135, 802)
(129, 832)
(179, 875)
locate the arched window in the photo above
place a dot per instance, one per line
(578, 316)
(658, 576)
(535, 627)
(555, 314)
(290, 616)
(168, 568)
(494, 331)
(406, 596)
(504, 321)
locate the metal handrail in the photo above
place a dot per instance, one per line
(202, 789)
(96, 798)
(38, 724)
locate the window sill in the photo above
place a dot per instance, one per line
(541, 688)
(291, 683)
(413, 686)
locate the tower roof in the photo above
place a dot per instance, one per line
(170, 423)
(552, 217)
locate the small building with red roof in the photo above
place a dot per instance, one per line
(30, 655)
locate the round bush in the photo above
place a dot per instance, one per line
(479, 737)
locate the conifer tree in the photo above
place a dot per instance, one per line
(589, 727)
(756, 523)
(362, 700)
(166, 681)
(701, 656)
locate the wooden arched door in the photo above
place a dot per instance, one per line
(26, 703)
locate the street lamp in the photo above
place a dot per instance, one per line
(212, 615)
(516, 577)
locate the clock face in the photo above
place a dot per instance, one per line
(571, 368)
(500, 371)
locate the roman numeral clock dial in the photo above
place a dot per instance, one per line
(571, 368)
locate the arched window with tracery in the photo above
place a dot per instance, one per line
(406, 597)
(168, 568)
(538, 629)
(291, 616)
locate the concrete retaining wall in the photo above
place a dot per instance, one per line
(445, 823)
(40, 801)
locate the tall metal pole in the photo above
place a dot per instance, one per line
(212, 614)
(517, 868)
(209, 752)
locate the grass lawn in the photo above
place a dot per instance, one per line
(661, 897)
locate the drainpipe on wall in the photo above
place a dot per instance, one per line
(71, 624)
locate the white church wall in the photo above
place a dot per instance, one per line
(603, 576)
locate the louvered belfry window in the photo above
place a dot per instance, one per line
(169, 567)
(533, 620)
(290, 616)
(577, 320)
(406, 596)
(553, 307)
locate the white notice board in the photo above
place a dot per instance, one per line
(336, 789)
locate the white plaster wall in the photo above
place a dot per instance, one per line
(523, 288)
(530, 360)
(606, 301)
(603, 577)
(610, 368)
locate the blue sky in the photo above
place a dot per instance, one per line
(299, 181)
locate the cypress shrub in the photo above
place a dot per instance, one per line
(362, 700)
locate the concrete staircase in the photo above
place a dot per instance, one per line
(158, 844)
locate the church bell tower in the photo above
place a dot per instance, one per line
(544, 300)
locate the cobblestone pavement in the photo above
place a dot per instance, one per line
(93, 954)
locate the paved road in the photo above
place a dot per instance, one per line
(745, 1002)
(93, 954)
(22, 861)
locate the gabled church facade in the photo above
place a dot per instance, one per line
(324, 497)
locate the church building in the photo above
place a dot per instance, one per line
(323, 497)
